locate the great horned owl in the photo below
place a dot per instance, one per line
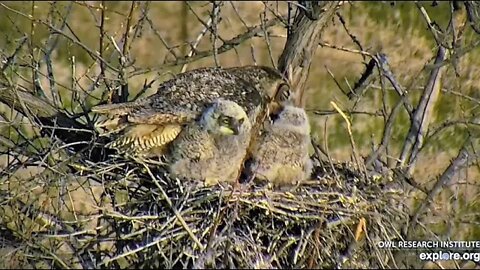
(145, 126)
(212, 148)
(281, 153)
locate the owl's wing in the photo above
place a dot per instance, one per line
(145, 138)
(118, 109)
(151, 117)
(140, 129)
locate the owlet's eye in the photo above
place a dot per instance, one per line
(224, 121)
(241, 121)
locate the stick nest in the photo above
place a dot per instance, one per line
(134, 215)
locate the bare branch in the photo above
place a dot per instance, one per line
(386, 71)
(364, 81)
(58, 31)
(226, 46)
(473, 11)
(387, 134)
(263, 18)
(66, 128)
(458, 163)
(328, 45)
(304, 36)
(215, 19)
(422, 115)
(199, 38)
(352, 36)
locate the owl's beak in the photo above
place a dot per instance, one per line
(233, 127)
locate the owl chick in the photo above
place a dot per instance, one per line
(281, 153)
(211, 149)
(146, 126)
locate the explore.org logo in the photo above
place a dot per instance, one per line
(465, 245)
(429, 250)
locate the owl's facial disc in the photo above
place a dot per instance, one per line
(229, 125)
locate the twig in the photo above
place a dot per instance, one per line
(235, 9)
(144, 89)
(252, 52)
(385, 114)
(160, 37)
(430, 24)
(350, 135)
(58, 31)
(332, 112)
(177, 214)
(387, 133)
(458, 163)
(214, 29)
(353, 37)
(13, 57)
(263, 18)
(435, 131)
(198, 39)
(122, 95)
(52, 43)
(227, 45)
(335, 80)
(100, 45)
(332, 46)
(302, 42)
(385, 71)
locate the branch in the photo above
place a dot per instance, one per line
(199, 37)
(422, 115)
(226, 46)
(458, 163)
(387, 134)
(386, 71)
(50, 119)
(360, 86)
(473, 13)
(302, 41)
(55, 30)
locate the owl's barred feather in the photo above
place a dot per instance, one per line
(142, 138)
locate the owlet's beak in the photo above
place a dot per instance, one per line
(236, 125)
